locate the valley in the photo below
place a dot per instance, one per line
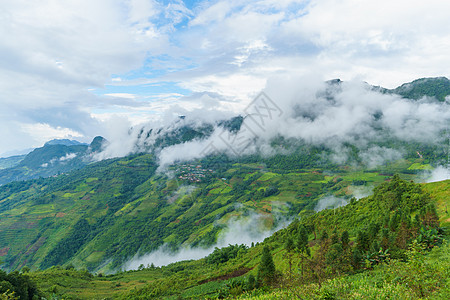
(165, 222)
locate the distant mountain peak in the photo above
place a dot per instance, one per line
(438, 87)
(97, 144)
(65, 142)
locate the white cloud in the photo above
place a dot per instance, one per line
(54, 53)
(438, 174)
(215, 13)
(305, 109)
(68, 156)
(122, 95)
(45, 132)
(330, 202)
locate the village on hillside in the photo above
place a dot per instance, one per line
(192, 172)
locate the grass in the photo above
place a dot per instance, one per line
(267, 176)
(419, 166)
(365, 176)
(440, 193)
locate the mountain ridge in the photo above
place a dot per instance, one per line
(55, 157)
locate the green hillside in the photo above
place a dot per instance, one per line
(102, 215)
(386, 245)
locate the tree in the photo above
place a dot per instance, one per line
(429, 216)
(251, 283)
(317, 264)
(345, 239)
(266, 270)
(302, 246)
(302, 240)
(323, 235)
(362, 241)
(289, 247)
(17, 286)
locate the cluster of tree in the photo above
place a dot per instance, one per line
(222, 255)
(331, 255)
(266, 275)
(18, 286)
(67, 247)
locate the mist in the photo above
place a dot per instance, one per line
(330, 202)
(361, 191)
(438, 174)
(308, 110)
(248, 230)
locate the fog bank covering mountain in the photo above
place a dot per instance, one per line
(333, 114)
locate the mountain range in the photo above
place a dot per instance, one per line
(61, 205)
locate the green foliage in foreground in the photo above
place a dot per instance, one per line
(266, 269)
(17, 286)
(426, 275)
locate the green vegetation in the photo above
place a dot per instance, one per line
(266, 269)
(431, 87)
(385, 245)
(9, 162)
(91, 218)
(54, 158)
(100, 216)
(222, 255)
(18, 286)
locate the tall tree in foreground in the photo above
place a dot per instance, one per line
(266, 270)
(302, 246)
(289, 247)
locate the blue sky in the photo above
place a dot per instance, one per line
(74, 69)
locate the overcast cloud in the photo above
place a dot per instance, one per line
(71, 69)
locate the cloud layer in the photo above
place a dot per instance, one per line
(74, 67)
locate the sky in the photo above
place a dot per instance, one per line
(80, 68)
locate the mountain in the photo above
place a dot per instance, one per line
(104, 216)
(55, 157)
(60, 156)
(65, 142)
(438, 87)
(97, 144)
(100, 216)
(11, 161)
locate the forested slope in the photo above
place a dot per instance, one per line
(390, 244)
